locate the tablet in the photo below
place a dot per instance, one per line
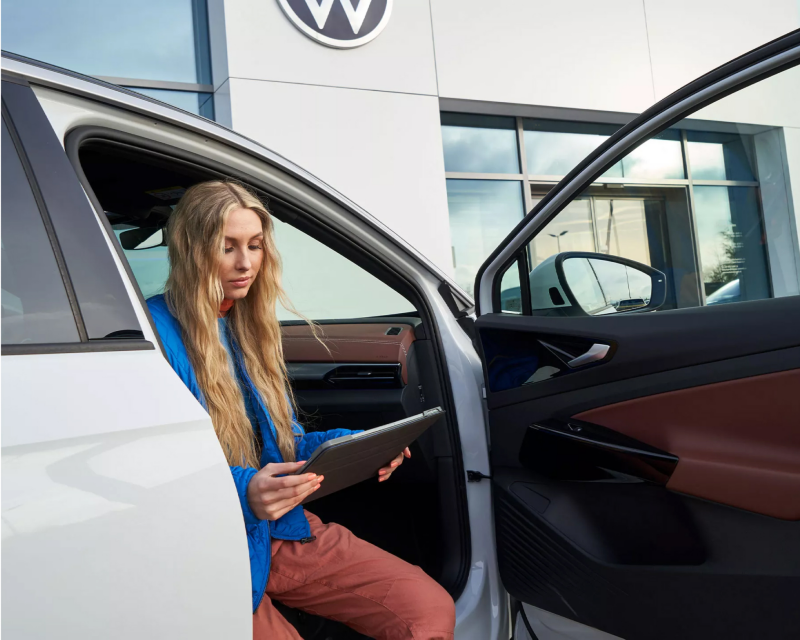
(351, 459)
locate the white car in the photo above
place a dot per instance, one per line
(635, 474)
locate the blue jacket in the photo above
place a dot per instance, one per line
(291, 526)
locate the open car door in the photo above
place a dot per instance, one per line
(640, 334)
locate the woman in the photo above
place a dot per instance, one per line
(218, 324)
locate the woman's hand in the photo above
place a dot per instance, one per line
(270, 497)
(386, 472)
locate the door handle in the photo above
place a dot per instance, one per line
(595, 353)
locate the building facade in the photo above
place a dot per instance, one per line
(451, 118)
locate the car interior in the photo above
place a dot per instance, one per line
(371, 370)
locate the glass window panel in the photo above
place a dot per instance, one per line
(475, 144)
(35, 307)
(551, 153)
(482, 214)
(621, 228)
(150, 266)
(321, 283)
(654, 160)
(731, 244)
(570, 230)
(150, 39)
(197, 103)
(720, 156)
(324, 285)
(707, 161)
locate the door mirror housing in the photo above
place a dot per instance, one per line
(577, 283)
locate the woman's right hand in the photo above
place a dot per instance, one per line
(270, 497)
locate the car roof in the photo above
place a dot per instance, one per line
(45, 74)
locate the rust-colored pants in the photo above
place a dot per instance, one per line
(342, 577)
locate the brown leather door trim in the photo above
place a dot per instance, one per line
(351, 343)
(738, 441)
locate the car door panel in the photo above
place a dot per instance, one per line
(613, 551)
(650, 492)
(618, 553)
(109, 468)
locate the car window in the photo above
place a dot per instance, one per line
(324, 285)
(321, 283)
(710, 203)
(147, 258)
(35, 306)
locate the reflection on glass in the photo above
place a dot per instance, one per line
(475, 144)
(150, 39)
(555, 153)
(621, 228)
(602, 287)
(720, 156)
(585, 286)
(482, 213)
(201, 104)
(707, 161)
(570, 230)
(551, 153)
(731, 243)
(655, 159)
(35, 307)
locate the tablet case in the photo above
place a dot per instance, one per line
(351, 459)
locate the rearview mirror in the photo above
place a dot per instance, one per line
(141, 238)
(594, 284)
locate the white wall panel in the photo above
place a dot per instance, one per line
(583, 53)
(264, 45)
(772, 102)
(382, 150)
(689, 38)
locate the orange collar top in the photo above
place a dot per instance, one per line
(225, 307)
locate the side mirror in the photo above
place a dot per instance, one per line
(595, 284)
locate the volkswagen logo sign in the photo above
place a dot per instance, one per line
(342, 24)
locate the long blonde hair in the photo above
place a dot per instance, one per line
(196, 234)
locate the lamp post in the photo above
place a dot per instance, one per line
(558, 238)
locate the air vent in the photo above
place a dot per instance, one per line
(393, 331)
(365, 376)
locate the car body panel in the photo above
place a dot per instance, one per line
(108, 467)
